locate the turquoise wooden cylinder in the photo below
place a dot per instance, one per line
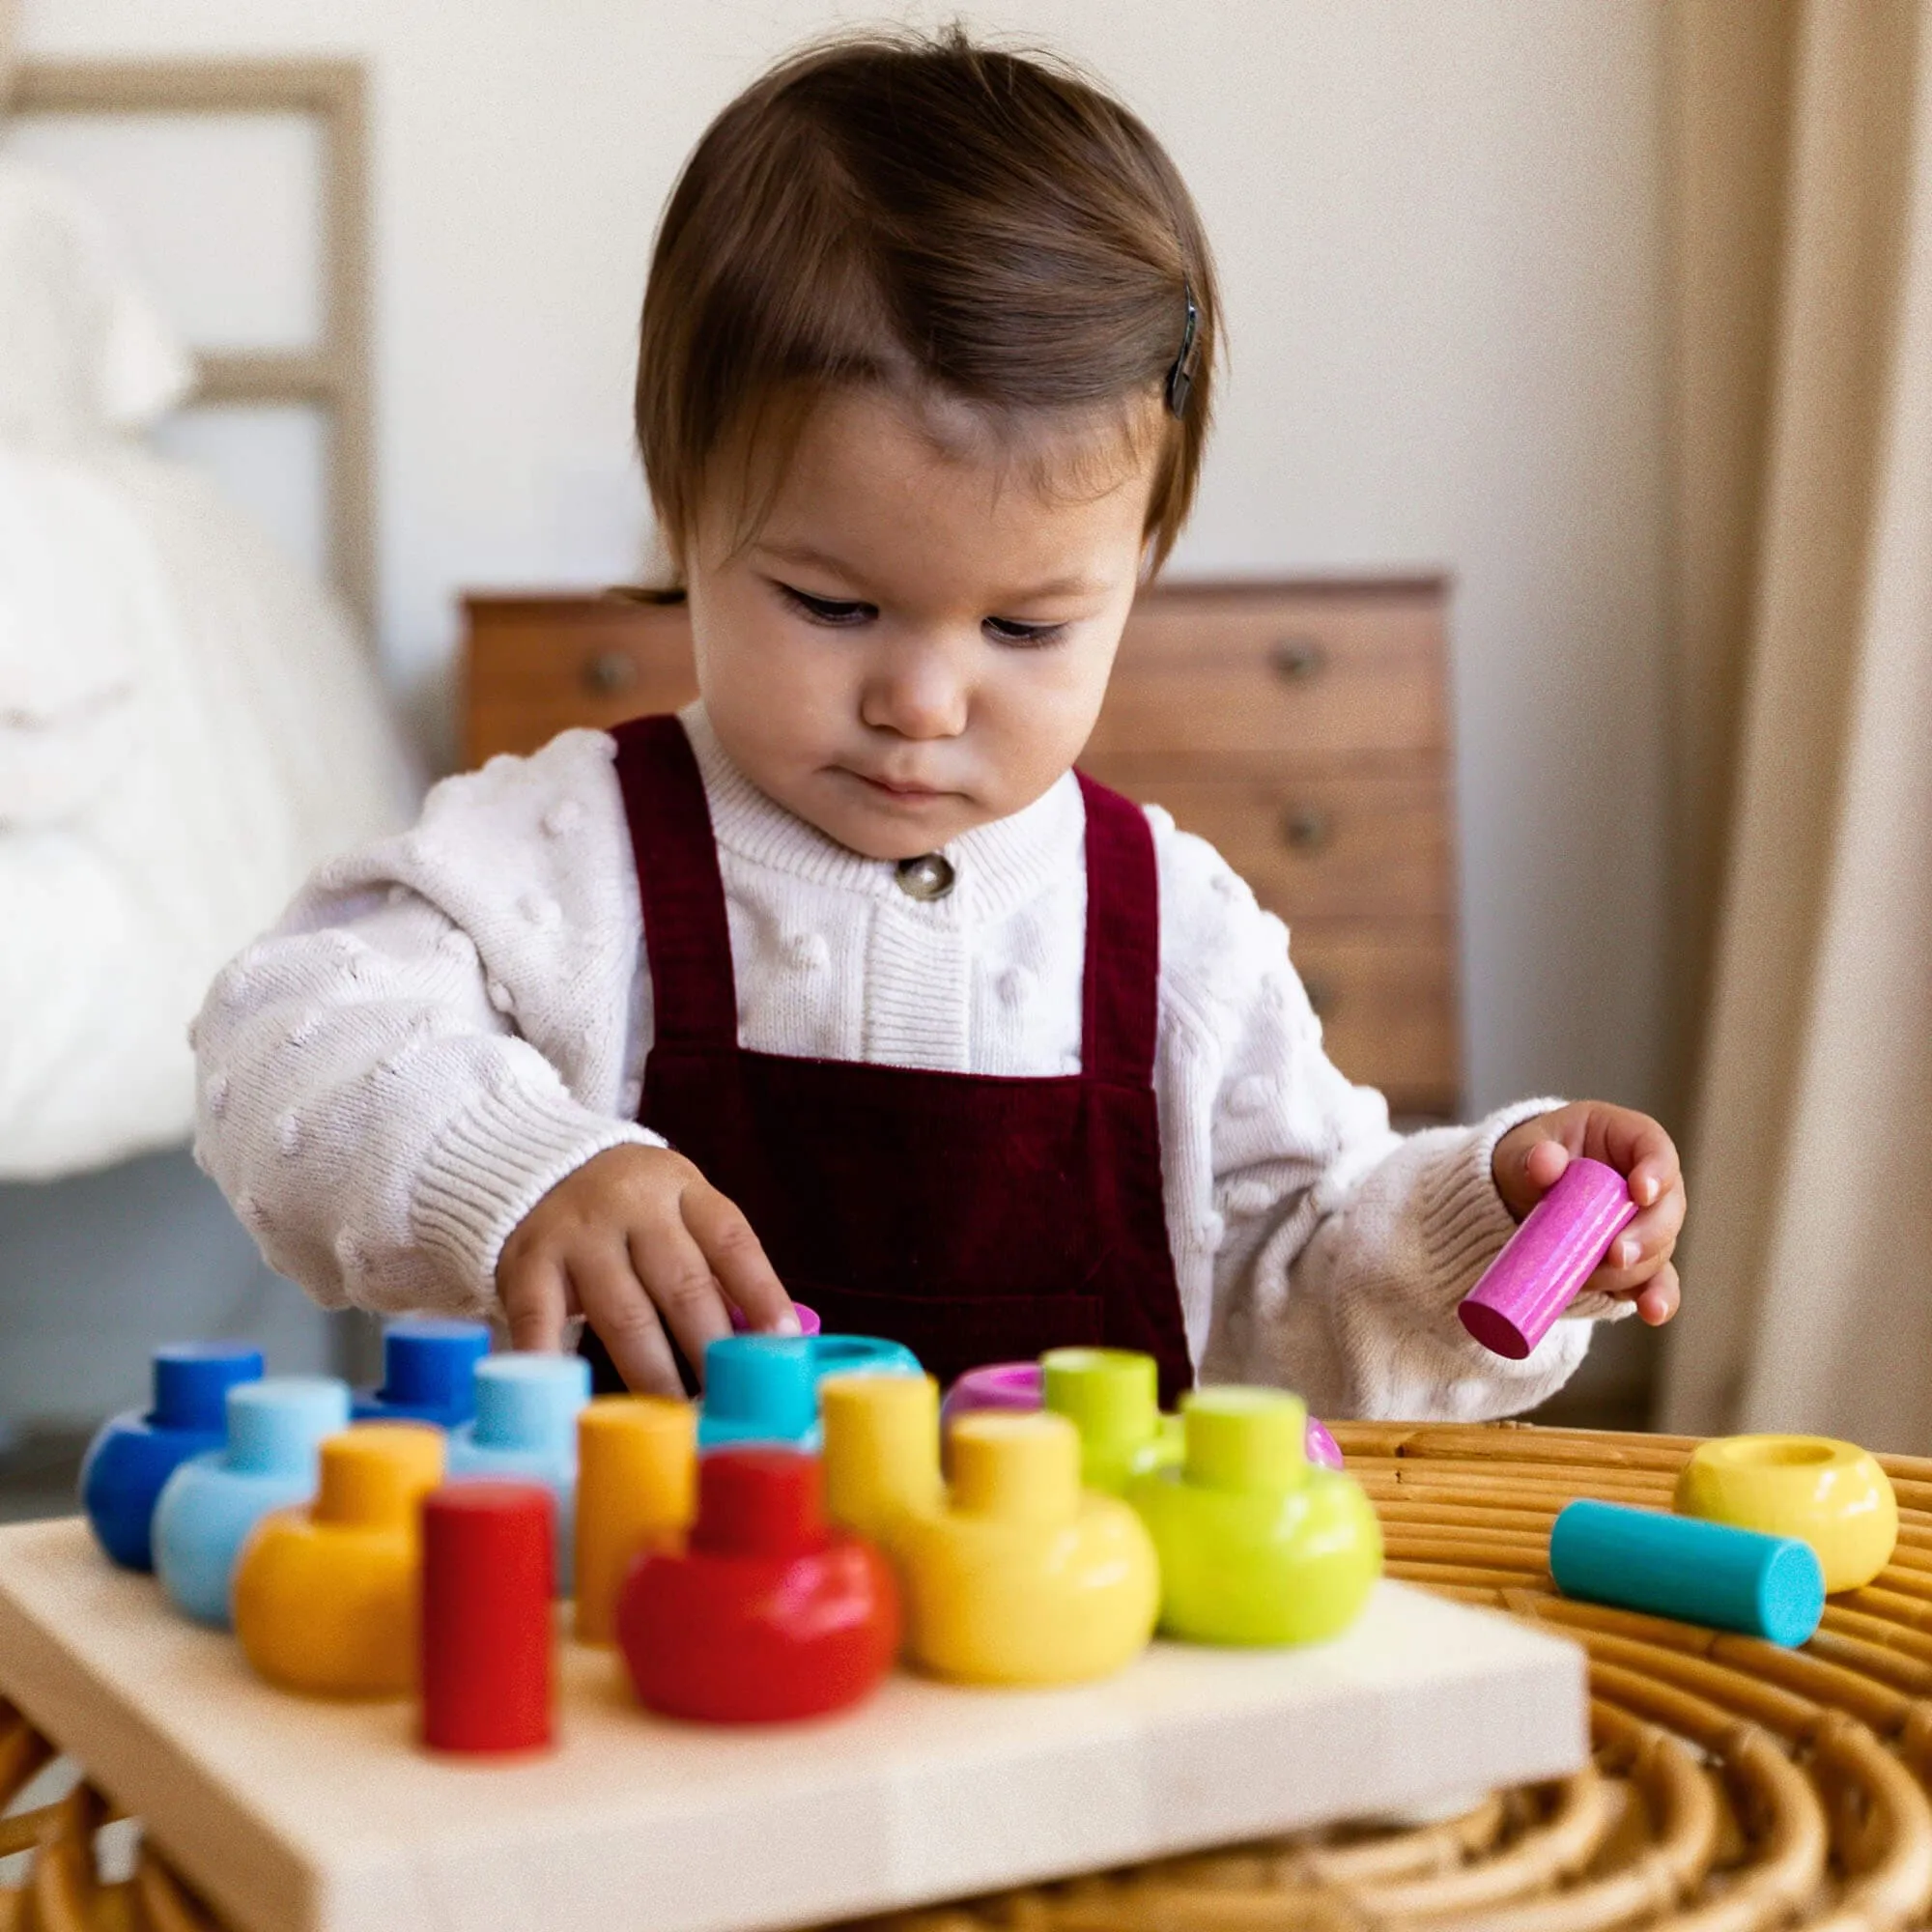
(760, 1389)
(1679, 1566)
(764, 1388)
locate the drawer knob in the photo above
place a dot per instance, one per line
(1306, 828)
(1321, 994)
(1295, 660)
(609, 672)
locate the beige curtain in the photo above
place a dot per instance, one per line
(1804, 476)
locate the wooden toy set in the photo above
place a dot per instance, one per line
(807, 1673)
(779, 1578)
(1732, 1782)
(751, 1755)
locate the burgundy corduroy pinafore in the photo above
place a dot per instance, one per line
(973, 1218)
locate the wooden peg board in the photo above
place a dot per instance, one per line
(302, 1816)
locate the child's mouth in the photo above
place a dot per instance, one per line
(909, 794)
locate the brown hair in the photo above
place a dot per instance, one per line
(923, 215)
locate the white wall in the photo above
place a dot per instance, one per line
(1438, 223)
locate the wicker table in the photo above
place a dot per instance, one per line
(1736, 1786)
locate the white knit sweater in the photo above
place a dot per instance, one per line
(446, 1023)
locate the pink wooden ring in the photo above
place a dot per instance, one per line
(1007, 1385)
(1321, 1448)
(809, 1323)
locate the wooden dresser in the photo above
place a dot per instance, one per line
(1302, 727)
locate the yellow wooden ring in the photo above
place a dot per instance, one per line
(1834, 1495)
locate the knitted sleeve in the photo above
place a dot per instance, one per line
(1335, 1250)
(438, 1030)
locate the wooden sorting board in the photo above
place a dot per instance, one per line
(294, 1816)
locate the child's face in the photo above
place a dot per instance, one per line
(919, 637)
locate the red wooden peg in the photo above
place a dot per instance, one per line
(487, 1635)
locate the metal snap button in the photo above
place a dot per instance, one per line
(930, 876)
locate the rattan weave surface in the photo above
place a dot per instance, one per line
(1736, 1787)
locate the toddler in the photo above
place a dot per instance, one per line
(843, 983)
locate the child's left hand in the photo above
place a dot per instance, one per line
(1531, 1156)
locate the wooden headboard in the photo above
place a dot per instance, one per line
(333, 374)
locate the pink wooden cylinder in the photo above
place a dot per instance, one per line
(1548, 1259)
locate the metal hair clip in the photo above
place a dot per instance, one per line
(1180, 378)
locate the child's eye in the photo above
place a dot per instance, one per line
(1005, 631)
(835, 611)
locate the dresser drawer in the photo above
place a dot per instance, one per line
(1252, 676)
(1319, 846)
(1386, 998)
(536, 667)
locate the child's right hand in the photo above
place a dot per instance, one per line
(636, 1241)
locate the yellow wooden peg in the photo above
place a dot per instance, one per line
(636, 1485)
(881, 1453)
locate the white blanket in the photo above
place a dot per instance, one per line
(187, 725)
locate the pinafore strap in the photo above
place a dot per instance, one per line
(688, 937)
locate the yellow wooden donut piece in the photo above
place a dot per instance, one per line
(1833, 1495)
(1022, 1576)
(325, 1596)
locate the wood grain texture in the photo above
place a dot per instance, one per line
(535, 666)
(1385, 994)
(1246, 681)
(1316, 843)
(323, 1817)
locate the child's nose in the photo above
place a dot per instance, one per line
(917, 698)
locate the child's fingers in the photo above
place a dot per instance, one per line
(1642, 1152)
(616, 1304)
(536, 1298)
(737, 1258)
(1543, 1164)
(1659, 1298)
(1527, 1163)
(1651, 1234)
(690, 1302)
(1531, 1157)
(1625, 1269)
